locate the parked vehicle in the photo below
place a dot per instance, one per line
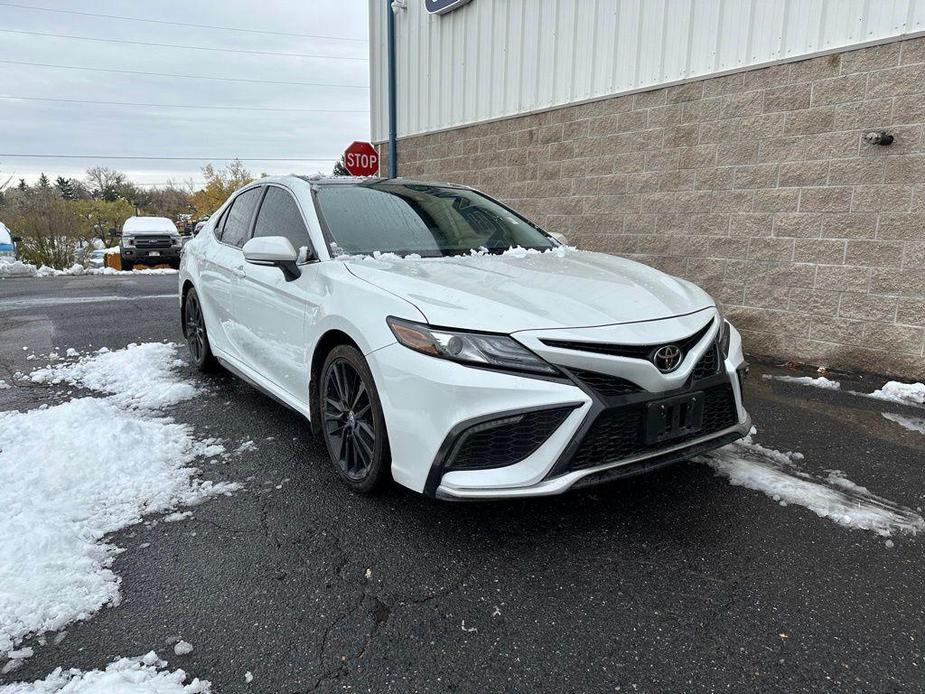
(149, 241)
(97, 259)
(7, 245)
(433, 334)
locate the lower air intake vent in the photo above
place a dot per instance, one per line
(618, 433)
(504, 441)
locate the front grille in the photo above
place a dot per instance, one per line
(505, 441)
(618, 433)
(632, 351)
(605, 384)
(708, 364)
(152, 242)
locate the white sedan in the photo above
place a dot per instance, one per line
(433, 336)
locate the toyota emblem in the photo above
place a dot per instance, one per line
(667, 358)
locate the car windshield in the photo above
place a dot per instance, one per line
(406, 218)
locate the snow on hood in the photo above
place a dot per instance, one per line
(524, 290)
(148, 225)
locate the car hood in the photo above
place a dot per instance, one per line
(531, 291)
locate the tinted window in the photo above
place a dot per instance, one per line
(238, 218)
(423, 219)
(279, 216)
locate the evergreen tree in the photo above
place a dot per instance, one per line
(66, 187)
(44, 183)
(22, 185)
(340, 169)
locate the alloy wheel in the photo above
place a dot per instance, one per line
(348, 420)
(195, 329)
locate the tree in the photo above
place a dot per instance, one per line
(65, 187)
(97, 217)
(44, 183)
(340, 169)
(105, 183)
(50, 230)
(219, 185)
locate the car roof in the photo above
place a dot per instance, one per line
(318, 180)
(148, 224)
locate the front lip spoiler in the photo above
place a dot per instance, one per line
(627, 467)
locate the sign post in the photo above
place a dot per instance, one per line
(361, 159)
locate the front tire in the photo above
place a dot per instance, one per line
(352, 422)
(194, 330)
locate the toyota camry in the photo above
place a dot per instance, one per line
(434, 336)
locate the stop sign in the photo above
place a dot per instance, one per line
(361, 159)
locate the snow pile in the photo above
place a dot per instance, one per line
(903, 393)
(821, 382)
(137, 376)
(747, 464)
(910, 423)
(75, 472)
(17, 268)
(145, 675)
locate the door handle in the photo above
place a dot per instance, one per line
(239, 272)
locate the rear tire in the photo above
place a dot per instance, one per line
(194, 330)
(352, 422)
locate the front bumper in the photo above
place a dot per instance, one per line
(151, 256)
(431, 406)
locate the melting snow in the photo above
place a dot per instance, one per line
(145, 675)
(903, 393)
(137, 376)
(820, 382)
(183, 648)
(75, 472)
(747, 464)
(910, 423)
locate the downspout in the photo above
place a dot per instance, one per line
(393, 147)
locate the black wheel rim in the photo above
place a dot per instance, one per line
(348, 420)
(195, 329)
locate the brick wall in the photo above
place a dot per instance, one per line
(755, 185)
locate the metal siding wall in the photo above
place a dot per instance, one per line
(494, 58)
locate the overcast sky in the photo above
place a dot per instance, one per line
(40, 127)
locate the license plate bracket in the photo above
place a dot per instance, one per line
(674, 418)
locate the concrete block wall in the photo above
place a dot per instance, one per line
(756, 185)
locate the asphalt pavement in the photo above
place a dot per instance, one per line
(675, 581)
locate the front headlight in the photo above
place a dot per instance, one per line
(498, 351)
(128, 241)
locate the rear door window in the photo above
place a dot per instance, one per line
(280, 216)
(238, 219)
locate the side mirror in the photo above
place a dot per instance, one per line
(559, 237)
(16, 239)
(275, 251)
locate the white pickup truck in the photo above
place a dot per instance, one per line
(150, 241)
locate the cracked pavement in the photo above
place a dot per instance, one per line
(675, 581)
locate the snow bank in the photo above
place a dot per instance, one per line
(17, 268)
(75, 472)
(903, 393)
(776, 474)
(143, 675)
(820, 382)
